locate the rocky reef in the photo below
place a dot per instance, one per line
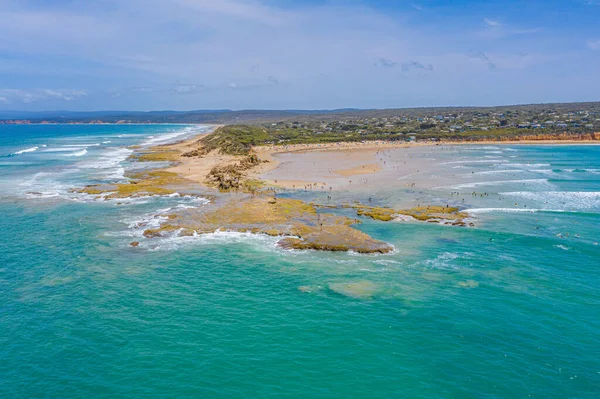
(140, 184)
(156, 154)
(430, 213)
(298, 223)
(233, 176)
(356, 289)
(249, 207)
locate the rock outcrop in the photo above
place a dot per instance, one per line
(299, 223)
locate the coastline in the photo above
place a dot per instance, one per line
(243, 188)
(197, 169)
(90, 275)
(246, 202)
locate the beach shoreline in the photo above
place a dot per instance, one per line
(352, 176)
(197, 169)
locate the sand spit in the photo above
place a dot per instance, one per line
(248, 203)
(191, 162)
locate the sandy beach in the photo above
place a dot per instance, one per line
(335, 166)
(368, 164)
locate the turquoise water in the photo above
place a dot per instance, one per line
(507, 309)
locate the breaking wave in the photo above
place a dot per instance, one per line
(77, 153)
(32, 149)
(171, 137)
(509, 210)
(583, 200)
(544, 182)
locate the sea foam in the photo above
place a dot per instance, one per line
(174, 242)
(171, 137)
(509, 210)
(108, 163)
(77, 153)
(538, 182)
(466, 161)
(32, 149)
(578, 200)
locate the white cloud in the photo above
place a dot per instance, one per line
(66, 95)
(214, 43)
(179, 88)
(594, 44)
(317, 54)
(495, 29)
(28, 96)
(491, 22)
(249, 10)
(215, 40)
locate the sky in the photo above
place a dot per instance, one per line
(295, 54)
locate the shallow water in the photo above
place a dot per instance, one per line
(506, 309)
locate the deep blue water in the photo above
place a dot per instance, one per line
(507, 309)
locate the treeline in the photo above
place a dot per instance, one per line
(239, 139)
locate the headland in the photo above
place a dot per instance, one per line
(238, 178)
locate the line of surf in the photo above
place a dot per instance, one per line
(512, 210)
(32, 149)
(493, 183)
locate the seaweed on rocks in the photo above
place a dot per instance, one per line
(298, 223)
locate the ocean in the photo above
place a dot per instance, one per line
(509, 308)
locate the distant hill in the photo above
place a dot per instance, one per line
(225, 116)
(197, 116)
(84, 115)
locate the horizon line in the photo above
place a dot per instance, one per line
(302, 110)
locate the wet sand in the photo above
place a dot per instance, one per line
(370, 165)
(352, 169)
(340, 165)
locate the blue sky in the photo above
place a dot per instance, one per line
(293, 54)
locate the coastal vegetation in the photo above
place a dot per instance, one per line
(240, 139)
(245, 129)
(571, 118)
(233, 140)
